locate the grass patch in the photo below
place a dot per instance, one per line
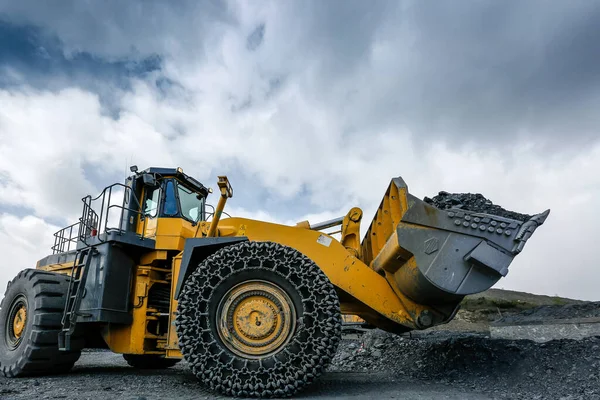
(558, 301)
(492, 305)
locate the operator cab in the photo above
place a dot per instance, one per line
(162, 193)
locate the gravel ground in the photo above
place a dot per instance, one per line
(105, 375)
(438, 365)
(462, 362)
(472, 202)
(501, 369)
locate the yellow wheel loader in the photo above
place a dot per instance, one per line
(255, 308)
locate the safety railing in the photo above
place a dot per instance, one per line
(96, 219)
(66, 239)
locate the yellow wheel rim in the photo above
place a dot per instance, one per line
(19, 321)
(15, 322)
(256, 319)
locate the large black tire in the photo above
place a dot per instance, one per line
(149, 361)
(35, 351)
(299, 361)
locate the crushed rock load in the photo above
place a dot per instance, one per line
(502, 369)
(472, 202)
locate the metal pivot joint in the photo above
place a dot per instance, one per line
(226, 192)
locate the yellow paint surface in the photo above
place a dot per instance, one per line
(363, 273)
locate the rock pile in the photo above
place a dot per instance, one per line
(503, 369)
(472, 202)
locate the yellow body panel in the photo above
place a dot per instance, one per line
(169, 233)
(172, 341)
(369, 292)
(351, 231)
(130, 338)
(393, 206)
(352, 319)
(60, 268)
(364, 274)
(343, 269)
(136, 338)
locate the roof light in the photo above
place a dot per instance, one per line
(180, 170)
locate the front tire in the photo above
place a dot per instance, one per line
(258, 319)
(30, 316)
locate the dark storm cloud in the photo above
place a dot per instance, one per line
(121, 29)
(255, 39)
(30, 57)
(486, 71)
(336, 35)
(502, 67)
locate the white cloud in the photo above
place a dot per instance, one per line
(52, 184)
(327, 137)
(23, 242)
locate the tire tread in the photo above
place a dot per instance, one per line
(302, 360)
(40, 354)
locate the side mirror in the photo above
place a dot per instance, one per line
(149, 180)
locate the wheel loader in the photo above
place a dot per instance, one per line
(153, 272)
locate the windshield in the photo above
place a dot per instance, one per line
(191, 205)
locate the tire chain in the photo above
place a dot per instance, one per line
(299, 363)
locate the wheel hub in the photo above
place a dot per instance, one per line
(19, 321)
(256, 319)
(16, 322)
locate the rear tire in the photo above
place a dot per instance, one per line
(277, 311)
(149, 361)
(30, 320)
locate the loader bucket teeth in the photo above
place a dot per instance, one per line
(443, 254)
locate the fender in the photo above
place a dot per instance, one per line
(197, 249)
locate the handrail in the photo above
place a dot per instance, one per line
(91, 224)
(106, 206)
(61, 239)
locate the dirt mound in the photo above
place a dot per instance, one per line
(497, 297)
(554, 312)
(472, 202)
(501, 368)
(480, 310)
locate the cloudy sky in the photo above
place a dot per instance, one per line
(310, 107)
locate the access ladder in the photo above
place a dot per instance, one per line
(76, 291)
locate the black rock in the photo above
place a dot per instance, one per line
(502, 368)
(472, 202)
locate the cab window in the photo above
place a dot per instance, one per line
(192, 205)
(170, 208)
(151, 203)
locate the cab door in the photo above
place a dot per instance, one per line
(147, 221)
